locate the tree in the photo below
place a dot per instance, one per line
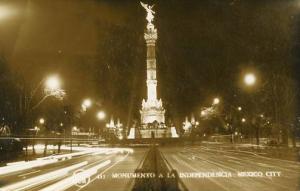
(282, 96)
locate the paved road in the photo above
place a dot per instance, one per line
(189, 161)
(118, 162)
(199, 159)
(121, 164)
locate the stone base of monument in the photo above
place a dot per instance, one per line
(152, 133)
(155, 133)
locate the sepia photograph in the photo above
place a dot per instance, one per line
(150, 95)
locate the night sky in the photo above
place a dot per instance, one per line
(98, 49)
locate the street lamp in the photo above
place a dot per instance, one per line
(240, 108)
(51, 88)
(36, 128)
(73, 130)
(42, 121)
(243, 120)
(249, 79)
(86, 104)
(52, 83)
(101, 115)
(216, 101)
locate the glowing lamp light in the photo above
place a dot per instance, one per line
(87, 103)
(101, 115)
(249, 79)
(42, 120)
(216, 101)
(53, 83)
(4, 12)
(36, 128)
(240, 108)
(52, 87)
(243, 120)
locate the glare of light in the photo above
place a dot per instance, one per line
(249, 79)
(240, 108)
(197, 123)
(216, 101)
(34, 181)
(236, 133)
(262, 115)
(101, 115)
(243, 120)
(36, 128)
(4, 12)
(203, 113)
(61, 124)
(74, 128)
(42, 120)
(27, 165)
(87, 103)
(53, 83)
(78, 176)
(52, 87)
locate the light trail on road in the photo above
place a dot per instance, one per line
(197, 166)
(209, 159)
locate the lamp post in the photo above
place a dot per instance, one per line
(250, 80)
(51, 88)
(100, 116)
(35, 129)
(73, 129)
(86, 104)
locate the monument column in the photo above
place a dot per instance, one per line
(152, 109)
(150, 37)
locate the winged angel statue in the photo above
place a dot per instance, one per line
(150, 12)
